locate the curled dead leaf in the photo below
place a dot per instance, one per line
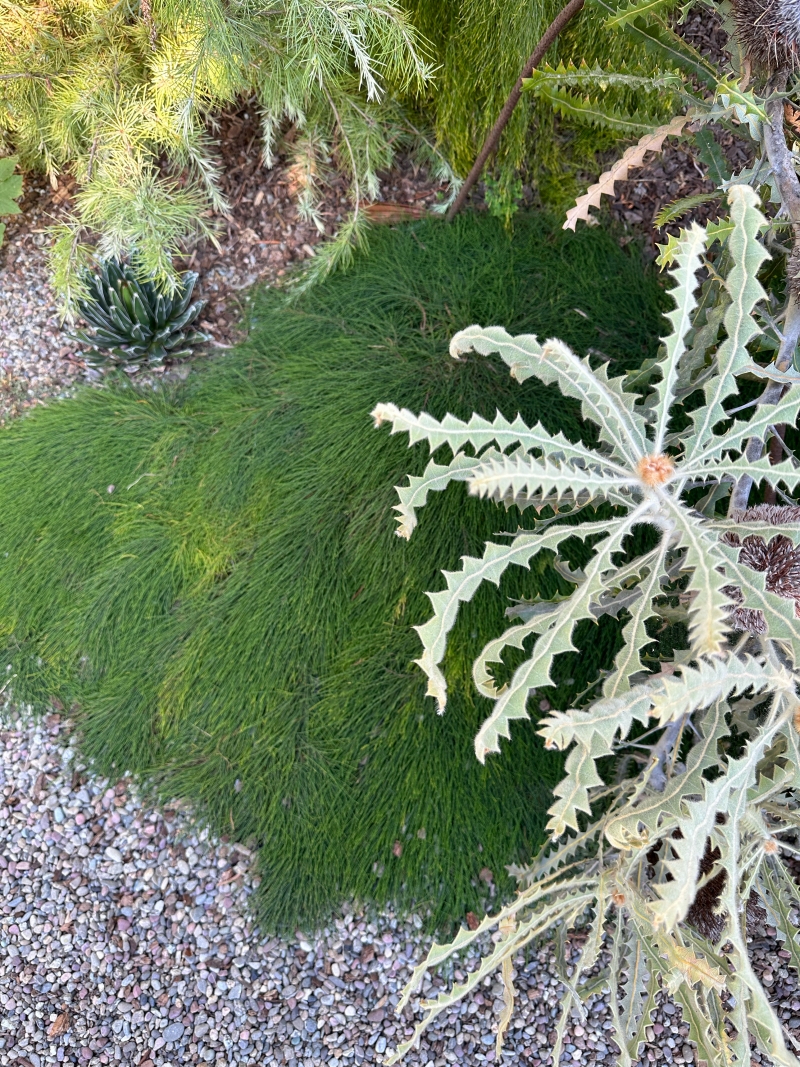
(59, 1026)
(632, 157)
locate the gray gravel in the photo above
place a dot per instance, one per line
(37, 360)
(125, 938)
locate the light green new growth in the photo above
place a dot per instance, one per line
(659, 550)
(124, 99)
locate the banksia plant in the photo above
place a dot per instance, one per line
(769, 30)
(679, 805)
(658, 863)
(132, 323)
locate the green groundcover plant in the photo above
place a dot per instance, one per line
(679, 805)
(209, 579)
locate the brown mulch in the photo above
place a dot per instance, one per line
(672, 175)
(263, 235)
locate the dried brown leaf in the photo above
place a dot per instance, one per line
(633, 157)
(59, 1025)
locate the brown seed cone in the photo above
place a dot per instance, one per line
(779, 558)
(769, 32)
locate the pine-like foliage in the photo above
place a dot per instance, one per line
(122, 96)
(480, 46)
(718, 790)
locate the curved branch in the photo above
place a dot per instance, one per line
(565, 15)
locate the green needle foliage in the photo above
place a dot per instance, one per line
(233, 622)
(481, 47)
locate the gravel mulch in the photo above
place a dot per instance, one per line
(125, 938)
(36, 358)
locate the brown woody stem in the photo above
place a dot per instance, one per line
(556, 26)
(782, 164)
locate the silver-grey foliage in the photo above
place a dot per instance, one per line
(713, 738)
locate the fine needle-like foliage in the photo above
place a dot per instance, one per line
(123, 98)
(714, 743)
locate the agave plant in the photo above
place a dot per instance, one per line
(131, 323)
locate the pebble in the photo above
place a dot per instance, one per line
(118, 946)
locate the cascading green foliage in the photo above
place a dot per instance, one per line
(10, 190)
(718, 786)
(123, 97)
(131, 323)
(480, 47)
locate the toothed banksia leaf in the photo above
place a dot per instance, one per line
(660, 863)
(512, 463)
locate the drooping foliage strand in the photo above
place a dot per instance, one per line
(244, 620)
(110, 92)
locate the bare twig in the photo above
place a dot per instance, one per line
(565, 15)
(782, 166)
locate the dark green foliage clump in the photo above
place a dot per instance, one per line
(212, 581)
(131, 322)
(480, 47)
